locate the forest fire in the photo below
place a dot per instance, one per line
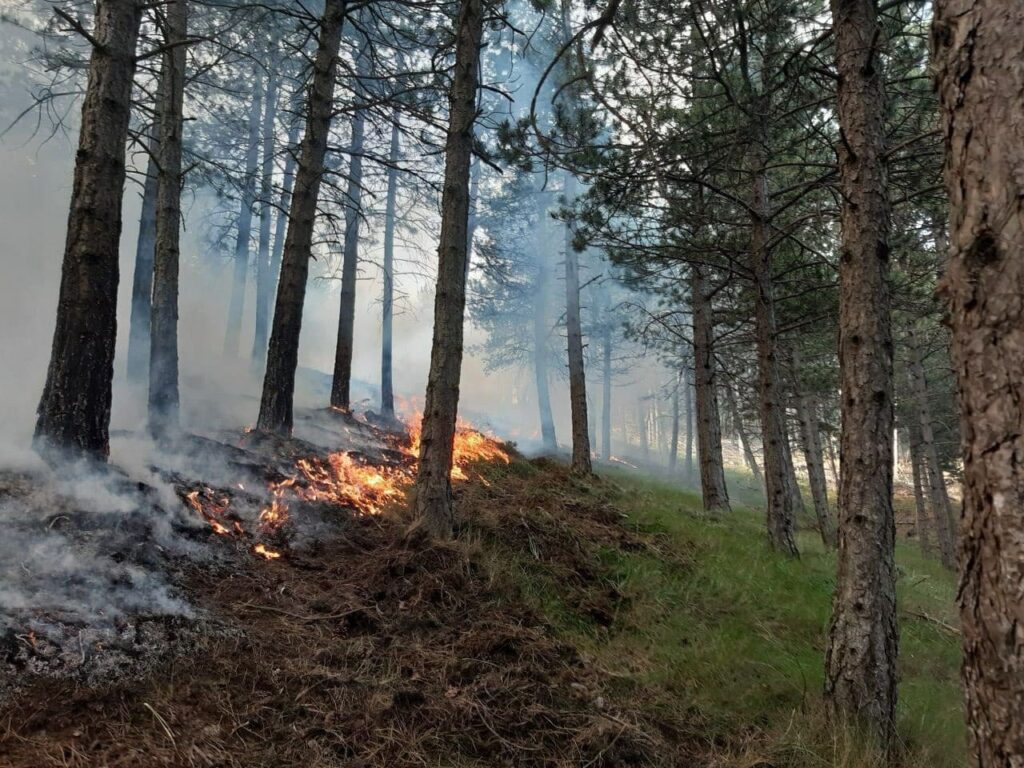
(470, 445)
(343, 479)
(211, 509)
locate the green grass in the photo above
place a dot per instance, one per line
(737, 635)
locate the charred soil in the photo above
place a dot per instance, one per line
(375, 647)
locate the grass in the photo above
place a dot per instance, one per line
(736, 634)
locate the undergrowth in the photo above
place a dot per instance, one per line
(708, 625)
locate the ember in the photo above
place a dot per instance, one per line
(266, 554)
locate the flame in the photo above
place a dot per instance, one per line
(470, 445)
(210, 509)
(341, 479)
(276, 515)
(266, 554)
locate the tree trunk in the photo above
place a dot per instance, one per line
(474, 196)
(606, 394)
(233, 332)
(541, 331)
(641, 421)
(264, 277)
(163, 356)
(709, 426)
(341, 384)
(860, 664)
(74, 411)
(581, 464)
(387, 391)
(741, 430)
(813, 456)
(780, 504)
(285, 199)
(921, 522)
(283, 351)
(937, 491)
(673, 447)
(979, 48)
(145, 245)
(433, 481)
(688, 390)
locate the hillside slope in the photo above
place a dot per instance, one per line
(598, 623)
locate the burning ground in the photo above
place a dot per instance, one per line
(265, 603)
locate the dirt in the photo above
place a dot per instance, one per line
(371, 646)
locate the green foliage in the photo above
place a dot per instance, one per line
(717, 625)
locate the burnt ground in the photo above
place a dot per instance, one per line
(364, 645)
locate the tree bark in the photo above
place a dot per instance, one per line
(709, 426)
(264, 276)
(240, 275)
(979, 47)
(860, 664)
(581, 464)
(341, 384)
(433, 501)
(163, 356)
(541, 331)
(145, 246)
(780, 505)
(673, 448)
(283, 352)
(921, 523)
(606, 394)
(813, 456)
(285, 199)
(937, 491)
(688, 389)
(741, 430)
(387, 391)
(74, 411)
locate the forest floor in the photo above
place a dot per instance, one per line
(573, 623)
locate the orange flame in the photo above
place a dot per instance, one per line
(210, 508)
(266, 554)
(470, 445)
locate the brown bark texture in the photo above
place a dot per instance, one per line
(860, 663)
(979, 64)
(74, 411)
(709, 425)
(581, 463)
(283, 351)
(163, 349)
(433, 493)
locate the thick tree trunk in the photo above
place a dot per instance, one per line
(979, 48)
(921, 523)
(341, 384)
(709, 425)
(433, 481)
(748, 452)
(581, 464)
(163, 356)
(780, 504)
(283, 351)
(606, 393)
(937, 491)
(387, 390)
(813, 456)
(860, 664)
(240, 274)
(541, 331)
(74, 412)
(145, 246)
(264, 277)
